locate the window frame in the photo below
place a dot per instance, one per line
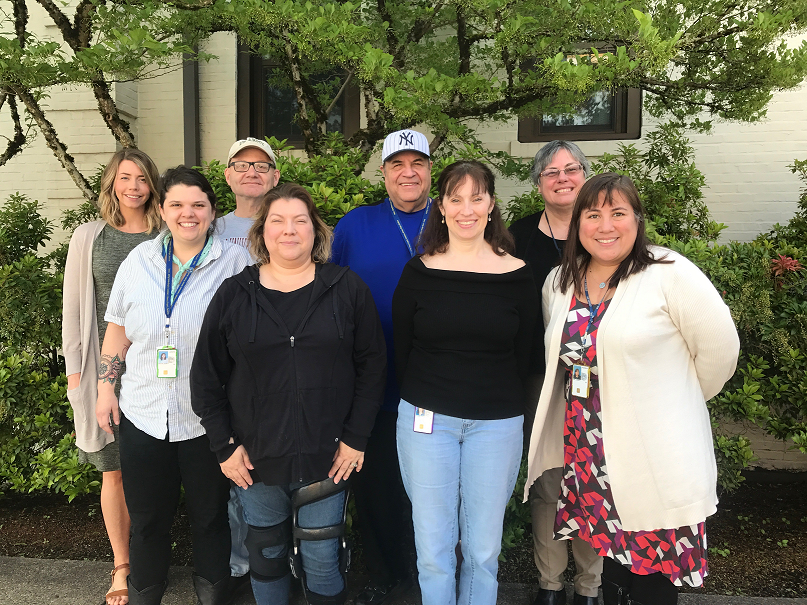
(250, 100)
(627, 123)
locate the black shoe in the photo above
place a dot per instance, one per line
(550, 597)
(208, 593)
(581, 600)
(375, 594)
(237, 586)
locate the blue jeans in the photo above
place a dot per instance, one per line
(268, 505)
(459, 479)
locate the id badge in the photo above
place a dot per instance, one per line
(166, 362)
(424, 420)
(580, 381)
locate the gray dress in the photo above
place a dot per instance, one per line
(109, 250)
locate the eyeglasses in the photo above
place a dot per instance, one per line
(244, 166)
(554, 173)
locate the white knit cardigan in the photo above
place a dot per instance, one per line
(665, 345)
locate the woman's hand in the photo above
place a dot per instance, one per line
(105, 405)
(344, 461)
(237, 467)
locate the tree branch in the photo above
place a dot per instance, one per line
(14, 145)
(62, 22)
(58, 148)
(339, 94)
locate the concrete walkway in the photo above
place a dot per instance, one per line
(56, 582)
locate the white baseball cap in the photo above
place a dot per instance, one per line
(242, 144)
(404, 140)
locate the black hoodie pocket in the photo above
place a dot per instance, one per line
(321, 424)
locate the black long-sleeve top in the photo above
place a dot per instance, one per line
(463, 340)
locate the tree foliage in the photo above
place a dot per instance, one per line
(446, 64)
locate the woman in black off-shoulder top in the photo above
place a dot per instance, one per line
(464, 317)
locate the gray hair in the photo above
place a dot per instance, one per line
(545, 155)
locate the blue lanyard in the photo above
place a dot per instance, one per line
(592, 310)
(169, 261)
(400, 226)
(554, 241)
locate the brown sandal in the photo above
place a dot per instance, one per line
(123, 592)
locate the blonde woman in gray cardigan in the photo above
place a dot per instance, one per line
(637, 340)
(129, 205)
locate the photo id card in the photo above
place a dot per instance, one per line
(166, 362)
(580, 381)
(424, 420)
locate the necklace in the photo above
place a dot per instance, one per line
(601, 284)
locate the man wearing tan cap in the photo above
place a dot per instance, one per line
(251, 172)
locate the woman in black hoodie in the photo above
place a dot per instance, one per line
(287, 378)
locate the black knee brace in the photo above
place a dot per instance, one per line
(306, 495)
(262, 568)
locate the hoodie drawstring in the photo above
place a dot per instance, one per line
(254, 302)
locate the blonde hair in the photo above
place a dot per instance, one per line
(108, 203)
(323, 236)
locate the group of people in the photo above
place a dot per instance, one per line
(267, 365)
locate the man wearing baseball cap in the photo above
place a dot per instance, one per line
(251, 172)
(377, 241)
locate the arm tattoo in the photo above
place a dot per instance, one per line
(109, 369)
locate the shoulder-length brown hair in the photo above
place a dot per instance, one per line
(434, 239)
(576, 258)
(108, 203)
(323, 235)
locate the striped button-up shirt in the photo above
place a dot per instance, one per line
(160, 406)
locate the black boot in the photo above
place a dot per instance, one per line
(581, 600)
(313, 598)
(148, 596)
(550, 597)
(211, 594)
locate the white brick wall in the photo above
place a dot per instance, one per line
(217, 97)
(160, 118)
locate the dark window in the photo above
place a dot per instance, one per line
(603, 116)
(267, 106)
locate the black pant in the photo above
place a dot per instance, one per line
(153, 471)
(653, 589)
(382, 506)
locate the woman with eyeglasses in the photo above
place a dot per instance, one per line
(637, 340)
(559, 170)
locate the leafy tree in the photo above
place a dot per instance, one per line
(446, 64)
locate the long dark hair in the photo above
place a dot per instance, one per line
(576, 258)
(434, 238)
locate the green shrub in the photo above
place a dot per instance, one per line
(37, 445)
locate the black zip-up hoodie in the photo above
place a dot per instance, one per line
(289, 394)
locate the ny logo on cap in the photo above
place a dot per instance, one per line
(406, 138)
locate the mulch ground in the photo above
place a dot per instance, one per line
(757, 540)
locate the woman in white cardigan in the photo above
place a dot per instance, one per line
(130, 213)
(652, 341)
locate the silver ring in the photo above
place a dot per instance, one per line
(354, 465)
